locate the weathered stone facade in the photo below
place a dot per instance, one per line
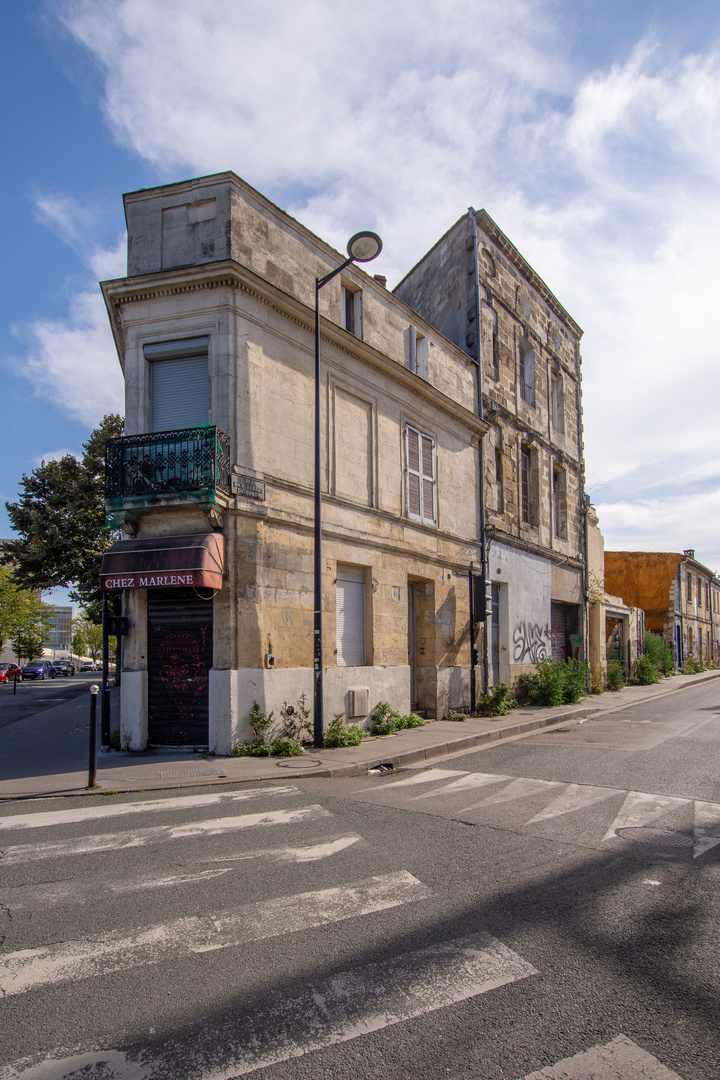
(212, 260)
(477, 289)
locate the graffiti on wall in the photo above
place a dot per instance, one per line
(532, 642)
(182, 671)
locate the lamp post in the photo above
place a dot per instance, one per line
(362, 247)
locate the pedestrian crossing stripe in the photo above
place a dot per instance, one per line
(638, 809)
(336, 1009)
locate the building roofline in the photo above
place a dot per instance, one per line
(513, 255)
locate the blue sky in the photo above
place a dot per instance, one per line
(587, 129)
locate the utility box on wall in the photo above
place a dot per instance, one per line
(359, 703)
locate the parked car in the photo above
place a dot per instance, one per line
(64, 667)
(10, 673)
(41, 669)
(87, 665)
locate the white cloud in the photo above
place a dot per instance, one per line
(398, 116)
(73, 362)
(55, 455)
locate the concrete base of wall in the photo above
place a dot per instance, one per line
(134, 710)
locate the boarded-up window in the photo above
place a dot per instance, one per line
(420, 475)
(179, 389)
(526, 373)
(558, 403)
(353, 448)
(350, 619)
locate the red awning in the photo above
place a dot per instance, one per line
(164, 561)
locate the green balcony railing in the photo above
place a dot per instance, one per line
(188, 462)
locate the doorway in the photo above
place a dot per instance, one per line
(180, 655)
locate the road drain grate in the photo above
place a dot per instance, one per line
(664, 838)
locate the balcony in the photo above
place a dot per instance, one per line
(191, 465)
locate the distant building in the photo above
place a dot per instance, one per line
(680, 598)
(59, 640)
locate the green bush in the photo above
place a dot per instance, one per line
(258, 746)
(286, 746)
(495, 702)
(645, 671)
(454, 715)
(659, 653)
(553, 682)
(692, 666)
(615, 675)
(339, 734)
(386, 721)
(114, 741)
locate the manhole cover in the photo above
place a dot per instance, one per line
(664, 838)
(175, 774)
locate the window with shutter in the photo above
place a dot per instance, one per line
(179, 384)
(526, 365)
(350, 619)
(420, 474)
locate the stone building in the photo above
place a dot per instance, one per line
(680, 598)
(212, 482)
(477, 289)
(616, 631)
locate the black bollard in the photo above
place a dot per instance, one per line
(92, 764)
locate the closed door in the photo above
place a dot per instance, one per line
(413, 646)
(495, 634)
(180, 655)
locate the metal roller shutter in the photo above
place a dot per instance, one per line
(350, 619)
(179, 387)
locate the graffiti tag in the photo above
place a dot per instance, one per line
(532, 643)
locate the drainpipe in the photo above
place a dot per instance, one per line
(481, 449)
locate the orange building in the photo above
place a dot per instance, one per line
(680, 598)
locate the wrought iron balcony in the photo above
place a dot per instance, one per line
(189, 465)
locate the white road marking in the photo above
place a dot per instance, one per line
(617, 1060)
(334, 1010)
(95, 813)
(87, 845)
(520, 789)
(707, 827)
(299, 854)
(640, 809)
(467, 783)
(421, 778)
(28, 969)
(575, 797)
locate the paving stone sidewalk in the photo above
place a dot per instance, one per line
(46, 754)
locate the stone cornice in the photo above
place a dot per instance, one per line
(232, 275)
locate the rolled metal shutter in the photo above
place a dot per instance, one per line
(350, 620)
(179, 385)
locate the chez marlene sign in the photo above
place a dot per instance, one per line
(164, 561)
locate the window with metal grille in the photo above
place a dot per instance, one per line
(350, 618)
(526, 372)
(179, 384)
(420, 476)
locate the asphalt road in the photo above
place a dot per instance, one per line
(489, 917)
(34, 695)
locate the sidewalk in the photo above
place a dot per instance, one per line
(46, 754)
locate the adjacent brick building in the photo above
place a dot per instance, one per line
(680, 598)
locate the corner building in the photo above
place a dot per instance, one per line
(476, 288)
(212, 483)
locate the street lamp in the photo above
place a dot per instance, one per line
(362, 247)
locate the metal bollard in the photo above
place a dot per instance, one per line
(92, 764)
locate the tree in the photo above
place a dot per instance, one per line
(23, 616)
(88, 637)
(60, 522)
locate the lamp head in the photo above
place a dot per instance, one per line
(364, 246)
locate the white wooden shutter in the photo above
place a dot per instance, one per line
(428, 478)
(350, 619)
(179, 387)
(412, 455)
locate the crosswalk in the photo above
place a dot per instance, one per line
(592, 815)
(81, 891)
